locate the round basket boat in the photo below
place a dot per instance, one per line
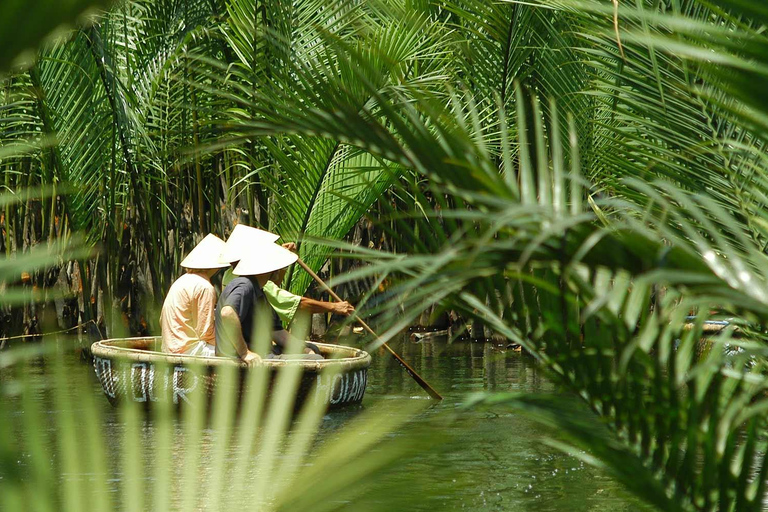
(135, 369)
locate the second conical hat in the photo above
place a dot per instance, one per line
(205, 254)
(243, 241)
(264, 259)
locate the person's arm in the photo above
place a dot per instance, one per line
(234, 331)
(206, 315)
(319, 306)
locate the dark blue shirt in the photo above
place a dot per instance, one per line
(245, 296)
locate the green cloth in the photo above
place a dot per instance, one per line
(283, 302)
(228, 276)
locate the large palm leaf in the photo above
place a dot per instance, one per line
(319, 186)
(652, 118)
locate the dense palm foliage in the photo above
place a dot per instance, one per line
(129, 102)
(582, 177)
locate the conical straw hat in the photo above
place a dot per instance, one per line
(243, 241)
(264, 259)
(205, 254)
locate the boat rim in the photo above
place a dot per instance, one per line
(110, 349)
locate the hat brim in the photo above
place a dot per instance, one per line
(243, 241)
(205, 255)
(264, 259)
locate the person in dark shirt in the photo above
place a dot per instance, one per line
(242, 242)
(240, 303)
(243, 303)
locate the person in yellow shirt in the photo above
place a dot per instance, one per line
(187, 317)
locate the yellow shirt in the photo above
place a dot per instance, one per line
(188, 314)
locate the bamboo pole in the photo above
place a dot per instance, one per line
(419, 380)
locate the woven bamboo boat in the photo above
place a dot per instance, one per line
(135, 369)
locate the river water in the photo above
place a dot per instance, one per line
(488, 459)
(460, 458)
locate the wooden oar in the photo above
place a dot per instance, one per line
(421, 382)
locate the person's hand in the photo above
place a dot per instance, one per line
(291, 246)
(251, 357)
(343, 308)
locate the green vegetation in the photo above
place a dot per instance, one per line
(259, 457)
(578, 176)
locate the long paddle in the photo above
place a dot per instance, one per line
(421, 382)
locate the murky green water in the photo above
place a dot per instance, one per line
(458, 459)
(483, 459)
